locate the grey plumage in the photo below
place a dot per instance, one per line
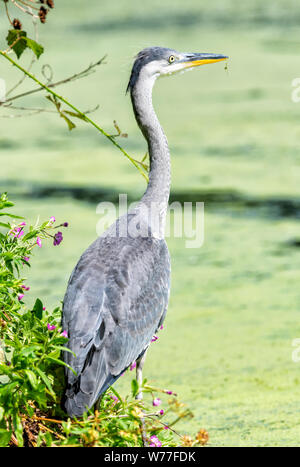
(107, 315)
(117, 295)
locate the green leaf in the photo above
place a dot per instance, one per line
(57, 104)
(29, 235)
(46, 380)
(18, 429)
(19, 38)
(60, 362)
(5, 436)
(70, 124)
(22, 42)
(32, 378)
(11, 215)
(30, 350)
(36, 48)
(9, 387)
(38, 308)
(61, 348)
(134, 387)
(4, 203)
(74, 114)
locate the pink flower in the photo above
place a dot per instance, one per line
(154, 338)
(50, 327)
(162, 326)
(25, 288)
(52, 220)
(39, 241)
(20, 296)
(17, 232)
(133, 366)
(26, 258)
(169, 392)
(156, 402)
(64, 334)
(115, 399)
(155, 442)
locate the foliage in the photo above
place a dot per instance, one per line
(31, 368)
(18, 41)
(30, 340)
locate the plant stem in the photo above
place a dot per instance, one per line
(84, 116)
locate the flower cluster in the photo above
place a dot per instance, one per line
(52, 327)
(155, 442)
(18, 231)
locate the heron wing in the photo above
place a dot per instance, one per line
(115, 301)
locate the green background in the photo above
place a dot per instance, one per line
(226, 348)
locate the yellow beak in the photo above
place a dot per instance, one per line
(192, 60)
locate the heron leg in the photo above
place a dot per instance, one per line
(139, 377)
(139, 374)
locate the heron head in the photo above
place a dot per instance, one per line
(153, 62)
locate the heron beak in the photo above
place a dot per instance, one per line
(191, 60)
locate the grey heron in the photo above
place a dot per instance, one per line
(117, 295)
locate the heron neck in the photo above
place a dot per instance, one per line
(157, 193)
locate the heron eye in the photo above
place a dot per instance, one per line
(171, 59)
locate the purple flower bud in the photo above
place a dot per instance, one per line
(154, 338)
(133, 366)
(20, 296)
(65, 224)
(39, 241)
(161, 412)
